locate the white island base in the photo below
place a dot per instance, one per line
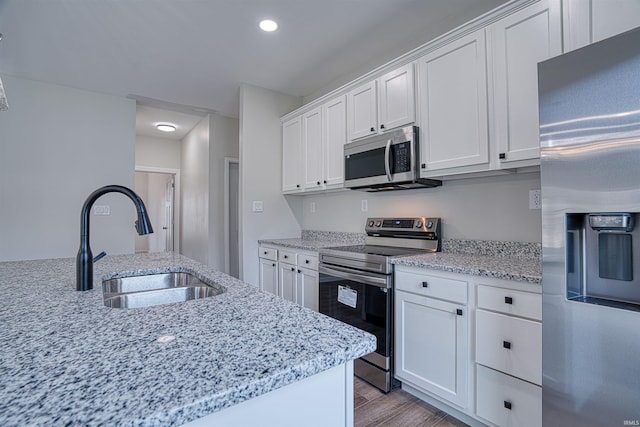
(323, 400)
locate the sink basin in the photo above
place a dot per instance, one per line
(155, 289)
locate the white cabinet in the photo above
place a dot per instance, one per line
(297, 276)
(362, 111)
(382, 104)
(453, 105)
(431, 334)
(519, 41)
(312, 148)
(268, 258)
(292, 155)
(509, 356)
(589, 21)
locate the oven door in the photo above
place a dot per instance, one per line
(363, 300)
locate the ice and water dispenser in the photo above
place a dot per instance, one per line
(601, 266)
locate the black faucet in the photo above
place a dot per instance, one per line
(84, 260)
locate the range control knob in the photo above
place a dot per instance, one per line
(370, 223)
(419, 224)
(429, 224)
(378, 223)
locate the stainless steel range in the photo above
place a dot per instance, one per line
(356, 285)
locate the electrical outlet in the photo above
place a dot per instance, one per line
(258, 206)
(312, 207)
(535, 200)
(102, 210)
(365, 205)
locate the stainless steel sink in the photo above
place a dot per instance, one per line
(155, 289)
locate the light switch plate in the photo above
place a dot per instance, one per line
(364, 205)
(258, 206)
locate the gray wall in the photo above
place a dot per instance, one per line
(261, 175)
(57, 145)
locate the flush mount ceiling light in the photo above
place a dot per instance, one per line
(268, 25)
(166, 127)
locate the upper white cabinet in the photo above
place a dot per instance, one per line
(312, 148)
(382, 104)
(396, 99)
(453, 104)
(292, 155)
(589, 21)
(362, 111)
(518, 42)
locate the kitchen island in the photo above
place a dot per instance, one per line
(66, 359)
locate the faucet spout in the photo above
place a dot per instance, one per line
(84, 259)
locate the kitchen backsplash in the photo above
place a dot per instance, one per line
(523, 250)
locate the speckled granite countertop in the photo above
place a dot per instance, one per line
(66, 359)
(304, 244)
(498, 267)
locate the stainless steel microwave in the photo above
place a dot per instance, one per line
(383, 162)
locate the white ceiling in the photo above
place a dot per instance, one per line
(196, 53)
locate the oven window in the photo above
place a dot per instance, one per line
(372, 311)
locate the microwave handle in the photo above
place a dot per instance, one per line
(387, 167)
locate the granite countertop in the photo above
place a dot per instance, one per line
(498, 267)
(475, 257)
(66, 359)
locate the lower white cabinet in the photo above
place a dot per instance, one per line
(431, 337)
(507, 401)
(290, 274)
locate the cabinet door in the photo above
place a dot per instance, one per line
(453, 104)
(589, 21)
(312, 141)
(291, 155)
(287, 281)
(335, 136)
(361, 111)
(269, 276)
(519, 42)
(431, 343)
(307, 288)
(396, 100)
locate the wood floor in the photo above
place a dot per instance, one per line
(397, 408)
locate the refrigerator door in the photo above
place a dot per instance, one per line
(590, 162)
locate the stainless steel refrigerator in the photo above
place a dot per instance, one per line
(590, 175)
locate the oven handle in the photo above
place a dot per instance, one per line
(348, 274)
(387, 168)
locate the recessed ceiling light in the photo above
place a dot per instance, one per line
(268, 25)
(166, 127)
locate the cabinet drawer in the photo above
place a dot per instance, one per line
(287, 256)
(308, 261)
(517, 303)
(507, 401)
(268, 253)
(510, 345)
(432, 286)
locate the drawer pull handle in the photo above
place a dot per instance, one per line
(508, 300)
(425, 284)
(507, 404)
(286, 256)
(306, 261)
(265, 252)
(506, 344)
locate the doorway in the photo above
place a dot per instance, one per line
(231, 216)
(157, 189)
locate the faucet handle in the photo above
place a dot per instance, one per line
(99, 256)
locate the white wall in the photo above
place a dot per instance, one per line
(57, 145)
(260, 175)
(223, 142)
(489, 208)
(194, 212)
(157, 152)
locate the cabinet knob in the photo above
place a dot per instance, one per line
(265, 252)
(508, 300)
(325, 181)
(285, 256)
(502, 156)
(318, 182)
(459, 312)
(423, 165)
(381, 126)
(507, 404)
(306, 261)
(273, 265)
(297, 185)
(299, 271)
(293, 269)
(425, 284)
(373, 129)
(506, 344)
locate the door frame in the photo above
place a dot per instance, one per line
(227, 260)
(176, 199)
